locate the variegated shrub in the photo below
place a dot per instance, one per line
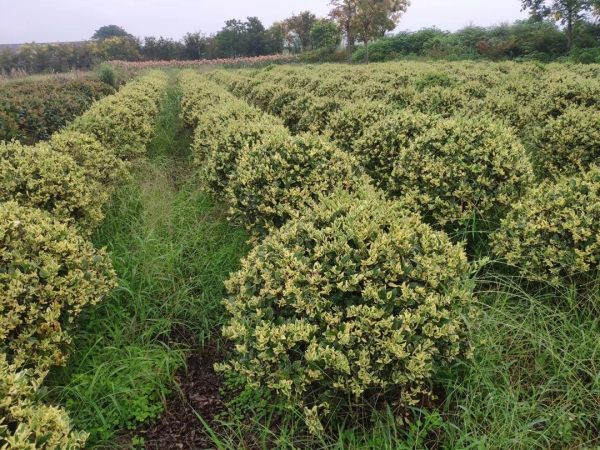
(350, 122)
(568, 144)
(382, 143)
(280, 175)
(44, 178)
(462, 169)
(48, 273)
(356, 300)
(552, 235)
(27, 424)
(98, 163)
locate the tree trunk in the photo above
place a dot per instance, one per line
(570, 29)
(350, 40)
(366, 41)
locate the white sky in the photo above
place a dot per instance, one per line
(74, 20)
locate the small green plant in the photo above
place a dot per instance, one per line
(107, 73)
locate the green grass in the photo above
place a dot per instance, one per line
(534, 381)
(172, 248)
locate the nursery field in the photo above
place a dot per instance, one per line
(390, 256)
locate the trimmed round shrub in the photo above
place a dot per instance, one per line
(314, 117)
(121, 124)
(349, 123)
(381, 144)
(564, 90)
(43, 178)
(277, 177)
(355, 301)
(48, 273)
(553, 233)
(568, 144)
(280, 98)
(217, 151)
(98, 163)
(262, 94)
(461, 169)
(292, 112)
(27, 424)
(509, 109)
(441, 101)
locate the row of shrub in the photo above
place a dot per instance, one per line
(428, 161)
(554, 110)
(347, 298)
(32, 110)
(466, 170)
(51, 199)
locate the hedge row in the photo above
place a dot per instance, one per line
(263, 172)
(347, 297)
(31, 110)
(462, 145)
(531, 99)
(428, 160)
(51, 198)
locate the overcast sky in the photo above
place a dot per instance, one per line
(74, 20)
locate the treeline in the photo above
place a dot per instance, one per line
(237, 38)
(528, 39)
(556, 29)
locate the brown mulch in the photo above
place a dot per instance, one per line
(179, 426)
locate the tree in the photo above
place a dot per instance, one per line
(123, 48)
(567, 12)
(196, 46)
(300, 25)
(344, 12)
(254, 37)
(229, 40)
(374, 17)
(162, 48)
(325, 34)
(109, 31)
(274, 38)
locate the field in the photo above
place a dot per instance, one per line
(389, 256)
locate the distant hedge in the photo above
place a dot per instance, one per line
(31, 110)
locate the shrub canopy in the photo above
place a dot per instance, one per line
(552, 235)
(354, 300)
(48, 273)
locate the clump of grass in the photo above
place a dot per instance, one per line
(172, 249)
(534, 381)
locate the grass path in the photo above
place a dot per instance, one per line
(172, 249)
